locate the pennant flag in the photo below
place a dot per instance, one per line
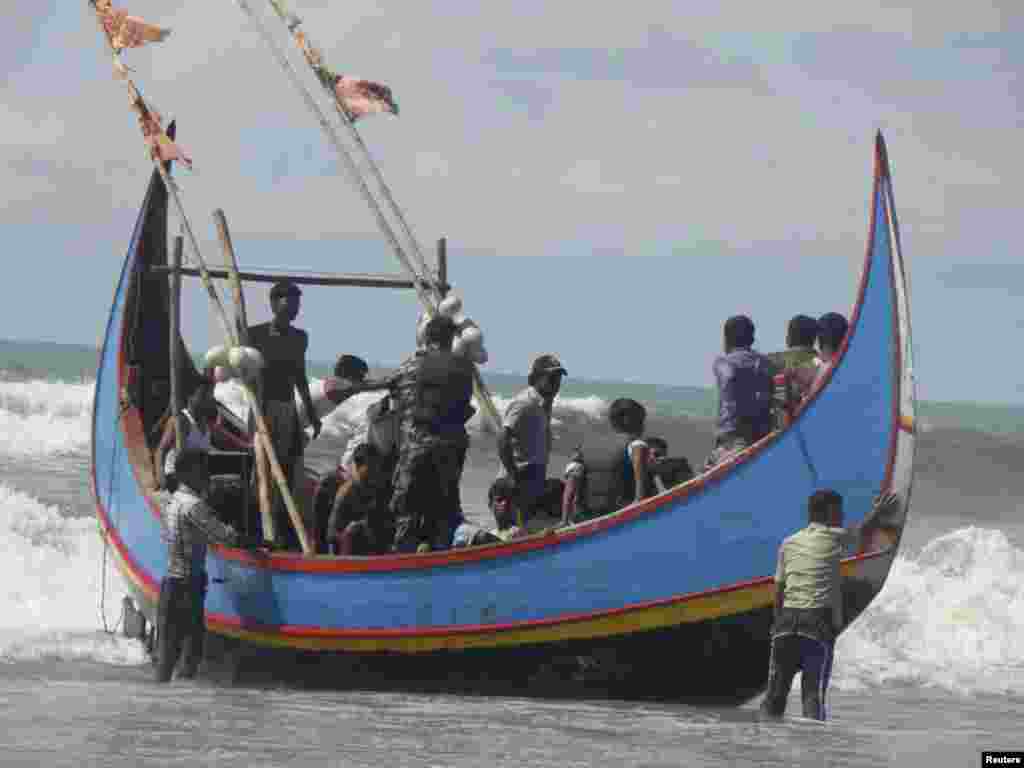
(160, 145)
(363, 97)
(124, 31)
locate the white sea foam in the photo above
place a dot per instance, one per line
(952, 616)
(44, 418)
(49, 606)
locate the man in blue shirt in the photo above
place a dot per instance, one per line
(744, 380)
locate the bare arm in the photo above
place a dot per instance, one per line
(638, 458)
(569, 495)
(505, 452)
(302, 384)
(779, 589)
(166, 441)
(214, 530)
(334, 522)
(885, 506)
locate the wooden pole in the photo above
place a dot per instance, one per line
(442, 265)
(175, 341)
(231, 263)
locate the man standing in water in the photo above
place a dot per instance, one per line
(283, 347)
(525, 442)
(189, 524)
(809, 600)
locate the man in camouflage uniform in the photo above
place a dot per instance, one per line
(431, 392)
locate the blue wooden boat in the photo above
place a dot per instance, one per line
(669, 597)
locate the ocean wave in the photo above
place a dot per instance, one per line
(45, 418)
(951, 616)
(50, 605)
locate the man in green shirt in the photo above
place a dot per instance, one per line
(809, 600)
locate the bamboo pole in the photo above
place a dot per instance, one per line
(264, 475)
(231, 263)
(429, 299)
(175, 340)
(442, 265)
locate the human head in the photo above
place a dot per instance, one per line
(738, 333)
(546, 374)
(825, 507)
(627, 415)
(351, 367)
(499, 499)
(284, 300)
(439, 332)
(832, 329)
(657, 448)
(364, 461)
(192, 469)
(802, 331)
(201, 403)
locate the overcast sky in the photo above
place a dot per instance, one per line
(605, 173)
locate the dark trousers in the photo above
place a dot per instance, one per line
(810, 656)
(180, 626)
(426, 493)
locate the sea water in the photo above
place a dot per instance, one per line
(931, 674)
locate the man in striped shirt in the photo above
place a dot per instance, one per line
(188, 524)
(809, 600)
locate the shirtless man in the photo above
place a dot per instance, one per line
(283, 347)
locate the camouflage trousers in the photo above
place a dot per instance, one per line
(425, 499)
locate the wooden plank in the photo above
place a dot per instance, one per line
(328, 279)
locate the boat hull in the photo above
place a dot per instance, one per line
(680, 577)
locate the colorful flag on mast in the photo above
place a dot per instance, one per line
(124, 31)
(363, 97)
(161, 147)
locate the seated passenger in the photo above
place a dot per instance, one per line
(832, 329)
(357, 501)
(628, 418)
(796, 368)
(574, 479)
(603, 480)
(501, 500)
(744, 380)
(196, 421)
(330, 392)
(666, 471)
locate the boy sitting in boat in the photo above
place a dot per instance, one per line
(796, 368)
(359, 522)
(603, 480)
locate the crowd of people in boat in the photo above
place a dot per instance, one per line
(397, 486)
